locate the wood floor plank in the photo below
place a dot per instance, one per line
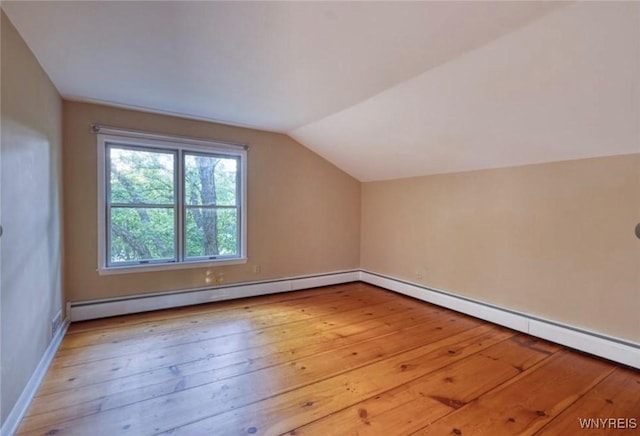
(234, 321)
(97, 396)
(610, 408)
(410, 407)
(258, 385)
(298, 407)
(340, 360)
(220, 325)
(526, 403)
(165, 314)
(214, 315)
(328, 328)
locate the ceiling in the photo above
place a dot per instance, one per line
(382, 89)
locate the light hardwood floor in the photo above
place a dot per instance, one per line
(340, 360)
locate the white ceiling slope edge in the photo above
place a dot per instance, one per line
(564, 87)
(381, 89)
(271, 65)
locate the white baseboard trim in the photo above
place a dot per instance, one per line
(80, 311)
(14, 418)
(614, 349)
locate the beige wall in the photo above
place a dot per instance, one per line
(31, 251)
(553, 240)
(303, 213)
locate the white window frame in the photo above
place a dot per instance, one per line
(178, 145)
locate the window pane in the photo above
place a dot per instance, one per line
(211, 232)
(210, 180)
(142, 234)
(141, 176)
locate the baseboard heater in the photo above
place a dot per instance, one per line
(615, 349)
(85, 310)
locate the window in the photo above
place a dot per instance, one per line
(169, 203)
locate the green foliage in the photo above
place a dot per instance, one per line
(226, 226)
(142, 234)
(140, 177)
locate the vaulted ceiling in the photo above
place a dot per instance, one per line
(381, 89)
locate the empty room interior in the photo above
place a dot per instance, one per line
(320, 218)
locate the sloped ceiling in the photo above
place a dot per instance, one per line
(381, 89)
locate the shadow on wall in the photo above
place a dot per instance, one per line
(30, 253)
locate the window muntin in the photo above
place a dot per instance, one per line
(166, 203)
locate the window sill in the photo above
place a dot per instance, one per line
(129, 269)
